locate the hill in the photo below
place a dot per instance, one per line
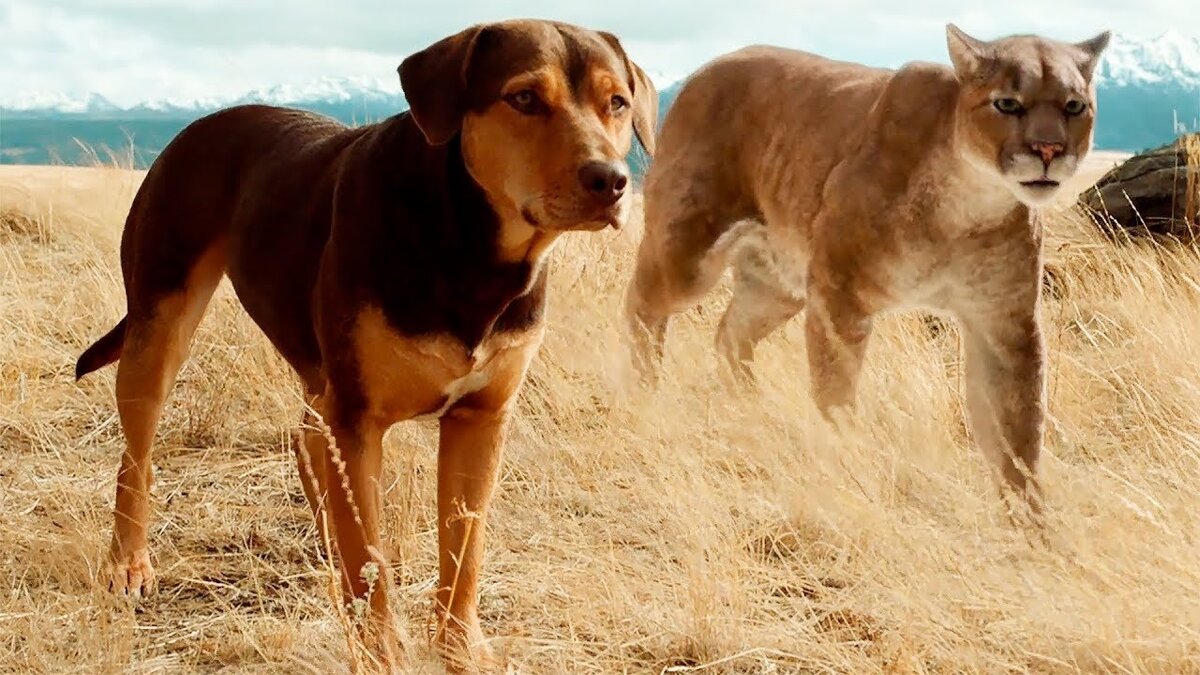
(1148, 91)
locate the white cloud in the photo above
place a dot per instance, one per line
(130, 50)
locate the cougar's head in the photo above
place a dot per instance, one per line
(1026, 108)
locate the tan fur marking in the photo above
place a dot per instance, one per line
(311, 447)
(352, 501)
(472, 437)
(472, 394)
(405, 378)
(154, 351)
(530, 173)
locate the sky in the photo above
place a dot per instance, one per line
(135, 50)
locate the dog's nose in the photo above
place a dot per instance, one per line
(605, 180)
(1048, 151)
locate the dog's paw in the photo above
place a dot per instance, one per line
(132, 575)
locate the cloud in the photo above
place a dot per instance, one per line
(129, 50)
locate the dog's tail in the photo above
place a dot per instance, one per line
(104, 351)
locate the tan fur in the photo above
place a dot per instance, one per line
(472, 394)
(534, 190)
(426, 376)
(312, 448)
(472, 438)
(152, 356)
(855, 191)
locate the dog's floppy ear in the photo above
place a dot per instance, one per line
(645, 108)
(645, 96)
(434, 81)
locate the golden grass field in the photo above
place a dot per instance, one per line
(633, 532)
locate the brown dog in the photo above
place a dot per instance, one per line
(398, 267)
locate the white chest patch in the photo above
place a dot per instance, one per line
(974, 196)
(468, 384)
(404, 378)
(917, 281)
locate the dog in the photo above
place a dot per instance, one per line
(398, 267)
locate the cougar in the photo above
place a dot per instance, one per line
(851, 191)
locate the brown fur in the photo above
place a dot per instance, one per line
(398, 267)
(855, 191)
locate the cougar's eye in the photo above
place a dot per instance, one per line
(1075, 107)
(1009, 106)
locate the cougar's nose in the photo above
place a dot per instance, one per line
(1047, 151)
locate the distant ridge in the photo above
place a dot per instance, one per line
(1148, 89)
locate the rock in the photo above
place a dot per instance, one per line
(1155, 192)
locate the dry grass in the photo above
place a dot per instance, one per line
(672, 532)
(1191, 151)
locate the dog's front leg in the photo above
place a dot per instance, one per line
(468, 467)
(472, 440)
(354, 464)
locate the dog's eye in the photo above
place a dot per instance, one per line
(1074, 107)
(618, 103)
(524, 101)
(1009, 106)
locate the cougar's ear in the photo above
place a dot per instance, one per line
(1092, 49)
(435, 82)
(645, 96)
(966, 52)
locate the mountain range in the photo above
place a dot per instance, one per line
(1148, 92)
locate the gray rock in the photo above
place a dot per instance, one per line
(1148, 193)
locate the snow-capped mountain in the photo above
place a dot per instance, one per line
(337, 93)
(331, 89)
(87, 104)
(1148, 90)
(1170, 59)
(1166, 59)
(326, 91)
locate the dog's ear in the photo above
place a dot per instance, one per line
(434, 81)
(645, 108)
(645, 96)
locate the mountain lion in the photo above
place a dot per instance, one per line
(852, 191)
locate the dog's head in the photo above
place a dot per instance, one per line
(546, 111)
